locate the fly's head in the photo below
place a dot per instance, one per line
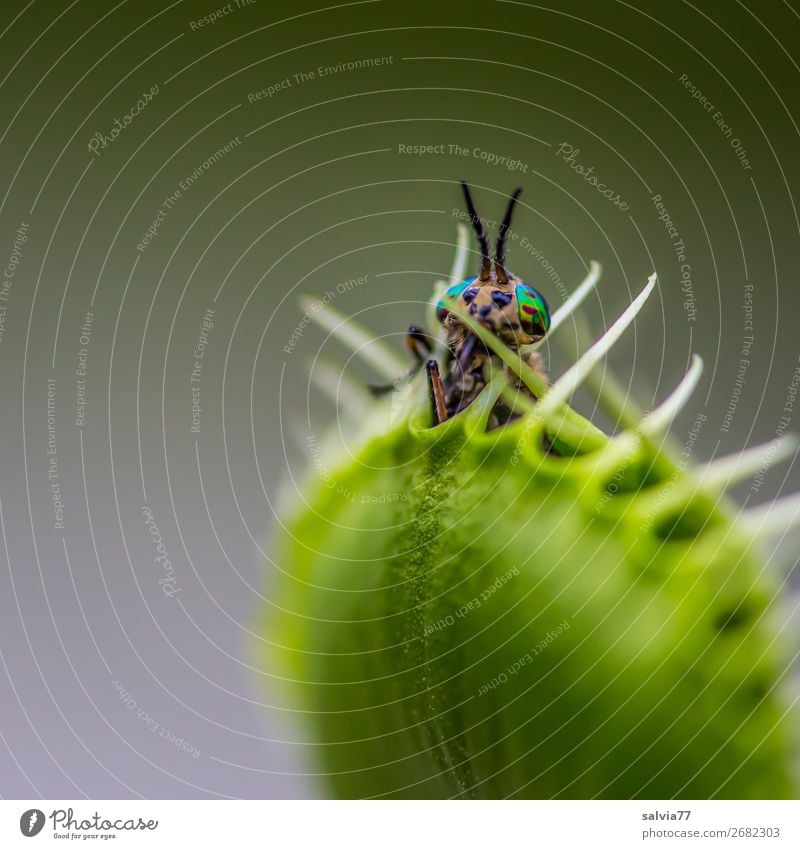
(513, 311)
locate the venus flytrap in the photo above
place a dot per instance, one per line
(667, 680)
(773, 519)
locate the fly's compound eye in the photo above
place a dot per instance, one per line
(451, 294)
(534, 313)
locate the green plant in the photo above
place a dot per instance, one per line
(535, 611)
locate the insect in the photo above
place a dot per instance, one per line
(512, 310)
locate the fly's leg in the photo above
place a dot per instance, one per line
(419, 345)
(438, 402)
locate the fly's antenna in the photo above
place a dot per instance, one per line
(500, 253)
(486, 263)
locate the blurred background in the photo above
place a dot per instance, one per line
(175, 176)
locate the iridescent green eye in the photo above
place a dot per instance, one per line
(449, 296)
(534, 313)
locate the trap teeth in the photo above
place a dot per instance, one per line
(726, 471)
(772, 520)
(380, 356)
(564, 387)
(660, 419)
(574, 300)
